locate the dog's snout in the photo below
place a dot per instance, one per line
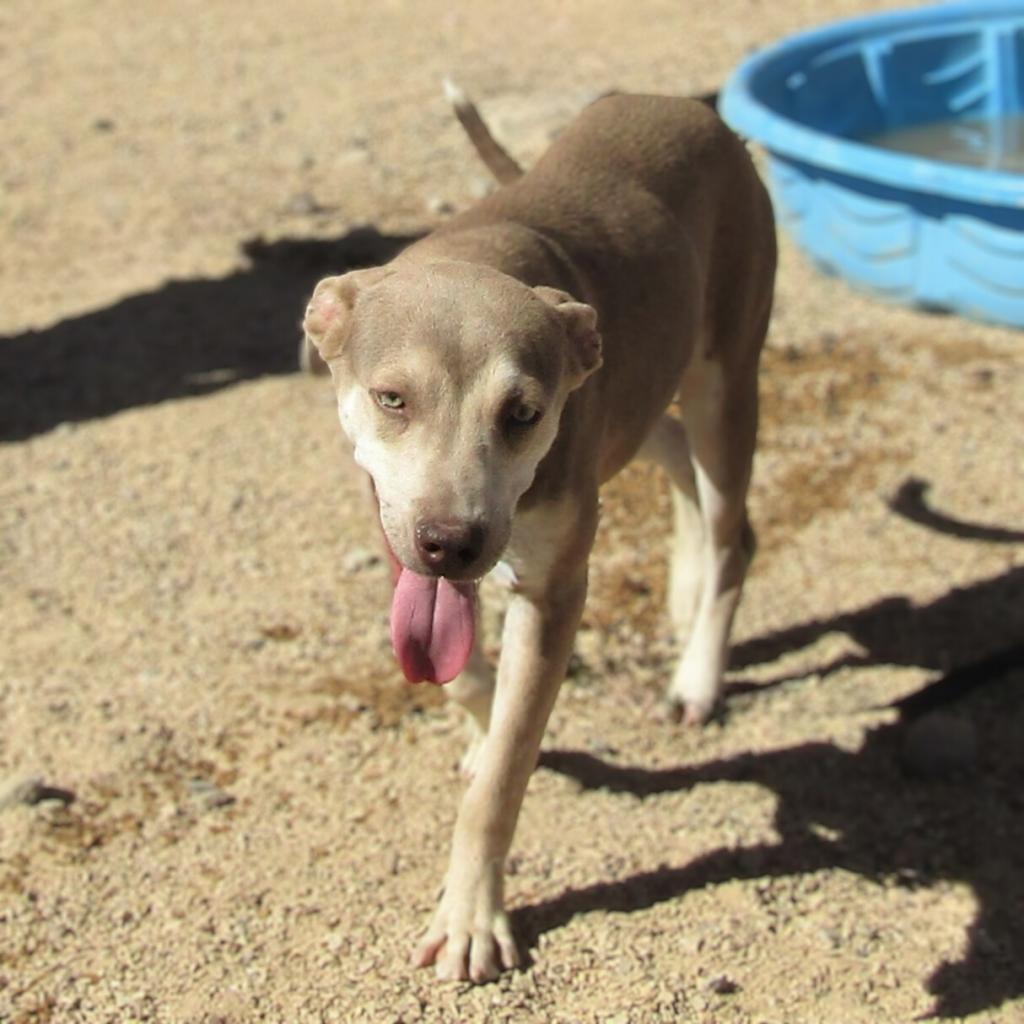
(449, 548)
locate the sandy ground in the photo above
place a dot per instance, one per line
(239, 812)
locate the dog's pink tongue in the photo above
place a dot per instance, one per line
(433, 621)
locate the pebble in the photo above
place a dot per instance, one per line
(210, 796)
(722, 986)
(304, 204)
(359, 560)
(440, 206)
(30, 792)
(480, 187)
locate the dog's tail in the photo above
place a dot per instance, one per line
(493, 154)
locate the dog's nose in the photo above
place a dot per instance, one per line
(449, 548)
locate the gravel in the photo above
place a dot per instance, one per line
(256, 810)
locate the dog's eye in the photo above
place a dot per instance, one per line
(392, 401)
(520, 414)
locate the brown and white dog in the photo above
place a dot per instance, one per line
(497, 372)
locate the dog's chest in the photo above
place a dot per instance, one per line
(538, 538)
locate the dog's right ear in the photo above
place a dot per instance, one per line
(580, 324)
(328, 311)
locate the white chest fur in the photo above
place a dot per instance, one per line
(538, 538)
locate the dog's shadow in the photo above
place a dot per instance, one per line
(888, 827)
(964, 624)
(185, 338)
(911, 502)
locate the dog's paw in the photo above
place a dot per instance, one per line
(470, 937)
(695, 714)
(696, 686)
(477, 953)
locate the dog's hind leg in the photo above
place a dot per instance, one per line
(667, 446)
(473, 688)
(720, 420)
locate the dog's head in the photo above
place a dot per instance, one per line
(450, 380)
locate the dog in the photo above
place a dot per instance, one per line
(497, 372)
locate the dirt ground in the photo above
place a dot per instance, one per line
(218, 801)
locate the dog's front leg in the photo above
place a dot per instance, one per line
(470, 936)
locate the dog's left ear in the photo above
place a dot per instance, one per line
(580, 323)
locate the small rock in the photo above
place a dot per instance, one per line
(722, 986)
(304, 204)
(360, 559)
(983, 378)
(281, 632)
(352, 702)
(480, 187)
(601, 748)
(353, 155)
(439, 206)
(210, 796)
(31, 792)
(940, 745)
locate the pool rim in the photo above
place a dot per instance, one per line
(787, 138)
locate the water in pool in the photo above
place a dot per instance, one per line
(996, 144)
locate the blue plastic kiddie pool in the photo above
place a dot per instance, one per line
(896, 151)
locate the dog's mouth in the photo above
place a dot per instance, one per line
(433, 626)
(433, 620)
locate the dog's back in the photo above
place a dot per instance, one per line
(643, 206)
(629, 188)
